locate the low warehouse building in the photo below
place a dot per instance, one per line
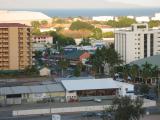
(35, 93)
(89, 89)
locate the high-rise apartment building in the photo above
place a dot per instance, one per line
(137, 42)
(15, 46)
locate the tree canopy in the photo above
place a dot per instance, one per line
(124, 108)
(79, 25)
(85, 42)
(35, 25)
(108, 35)
(61, 40)
(105, 56)
(122, 22)
(97, 33)
(153, 23)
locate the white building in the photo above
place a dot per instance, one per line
(45, 72)
(137, 43)
(156, 17)
(24, 17)
(84, 89)
(38, 47)
(47, 29)
(142, 19)
(42, 39)
(130, 16)
(103, 18)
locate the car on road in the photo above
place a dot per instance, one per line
(88, 114)
(97, 100)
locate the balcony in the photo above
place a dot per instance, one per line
(5, 55)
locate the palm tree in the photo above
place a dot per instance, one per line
(134, 71)
(63, 64)
(146, 71)
(155, 71)
(126, 70)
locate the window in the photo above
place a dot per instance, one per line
(145, 45)
(126, 89)
(151, 44)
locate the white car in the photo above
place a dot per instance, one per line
(97, 100)
(56, 117)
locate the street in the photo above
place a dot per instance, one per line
(77, 116)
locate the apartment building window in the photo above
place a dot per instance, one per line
(145, 45)
(151, 44)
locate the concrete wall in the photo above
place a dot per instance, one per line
(58, 110)
(147, 103)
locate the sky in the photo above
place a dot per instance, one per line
(24, 4)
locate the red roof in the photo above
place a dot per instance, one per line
(12, 25)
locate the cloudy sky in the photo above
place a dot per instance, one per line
(20, 4)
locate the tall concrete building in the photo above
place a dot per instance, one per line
(15, 46)
(137, 42)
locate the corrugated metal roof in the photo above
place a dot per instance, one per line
(89, 84)
(57, 87)
(74, 54)
(154, 60)
(31, 89)
(38, 89)
(20, 89)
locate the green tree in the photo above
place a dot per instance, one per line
(98, 61)
(97, 33)
(126, 71)
(85, 42)
(105, 56)
(146, 71)
(144, 89)
(108, 35)
(60, 40)
(77, 71)
(153, 23)
(155, 71)
(134, 71)
(122, 22)
(125, 108)
(57, 20)
(44, 22)
(38, 54)
(35, 25)
(79, 25)
(31, 70)
(63, 64)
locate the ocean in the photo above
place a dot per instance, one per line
(98, 12)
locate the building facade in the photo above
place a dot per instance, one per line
(138, 42)
(89, 89)
(32, 94)
(42, 39)
(15, 46)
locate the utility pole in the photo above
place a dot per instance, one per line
(158, 87)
